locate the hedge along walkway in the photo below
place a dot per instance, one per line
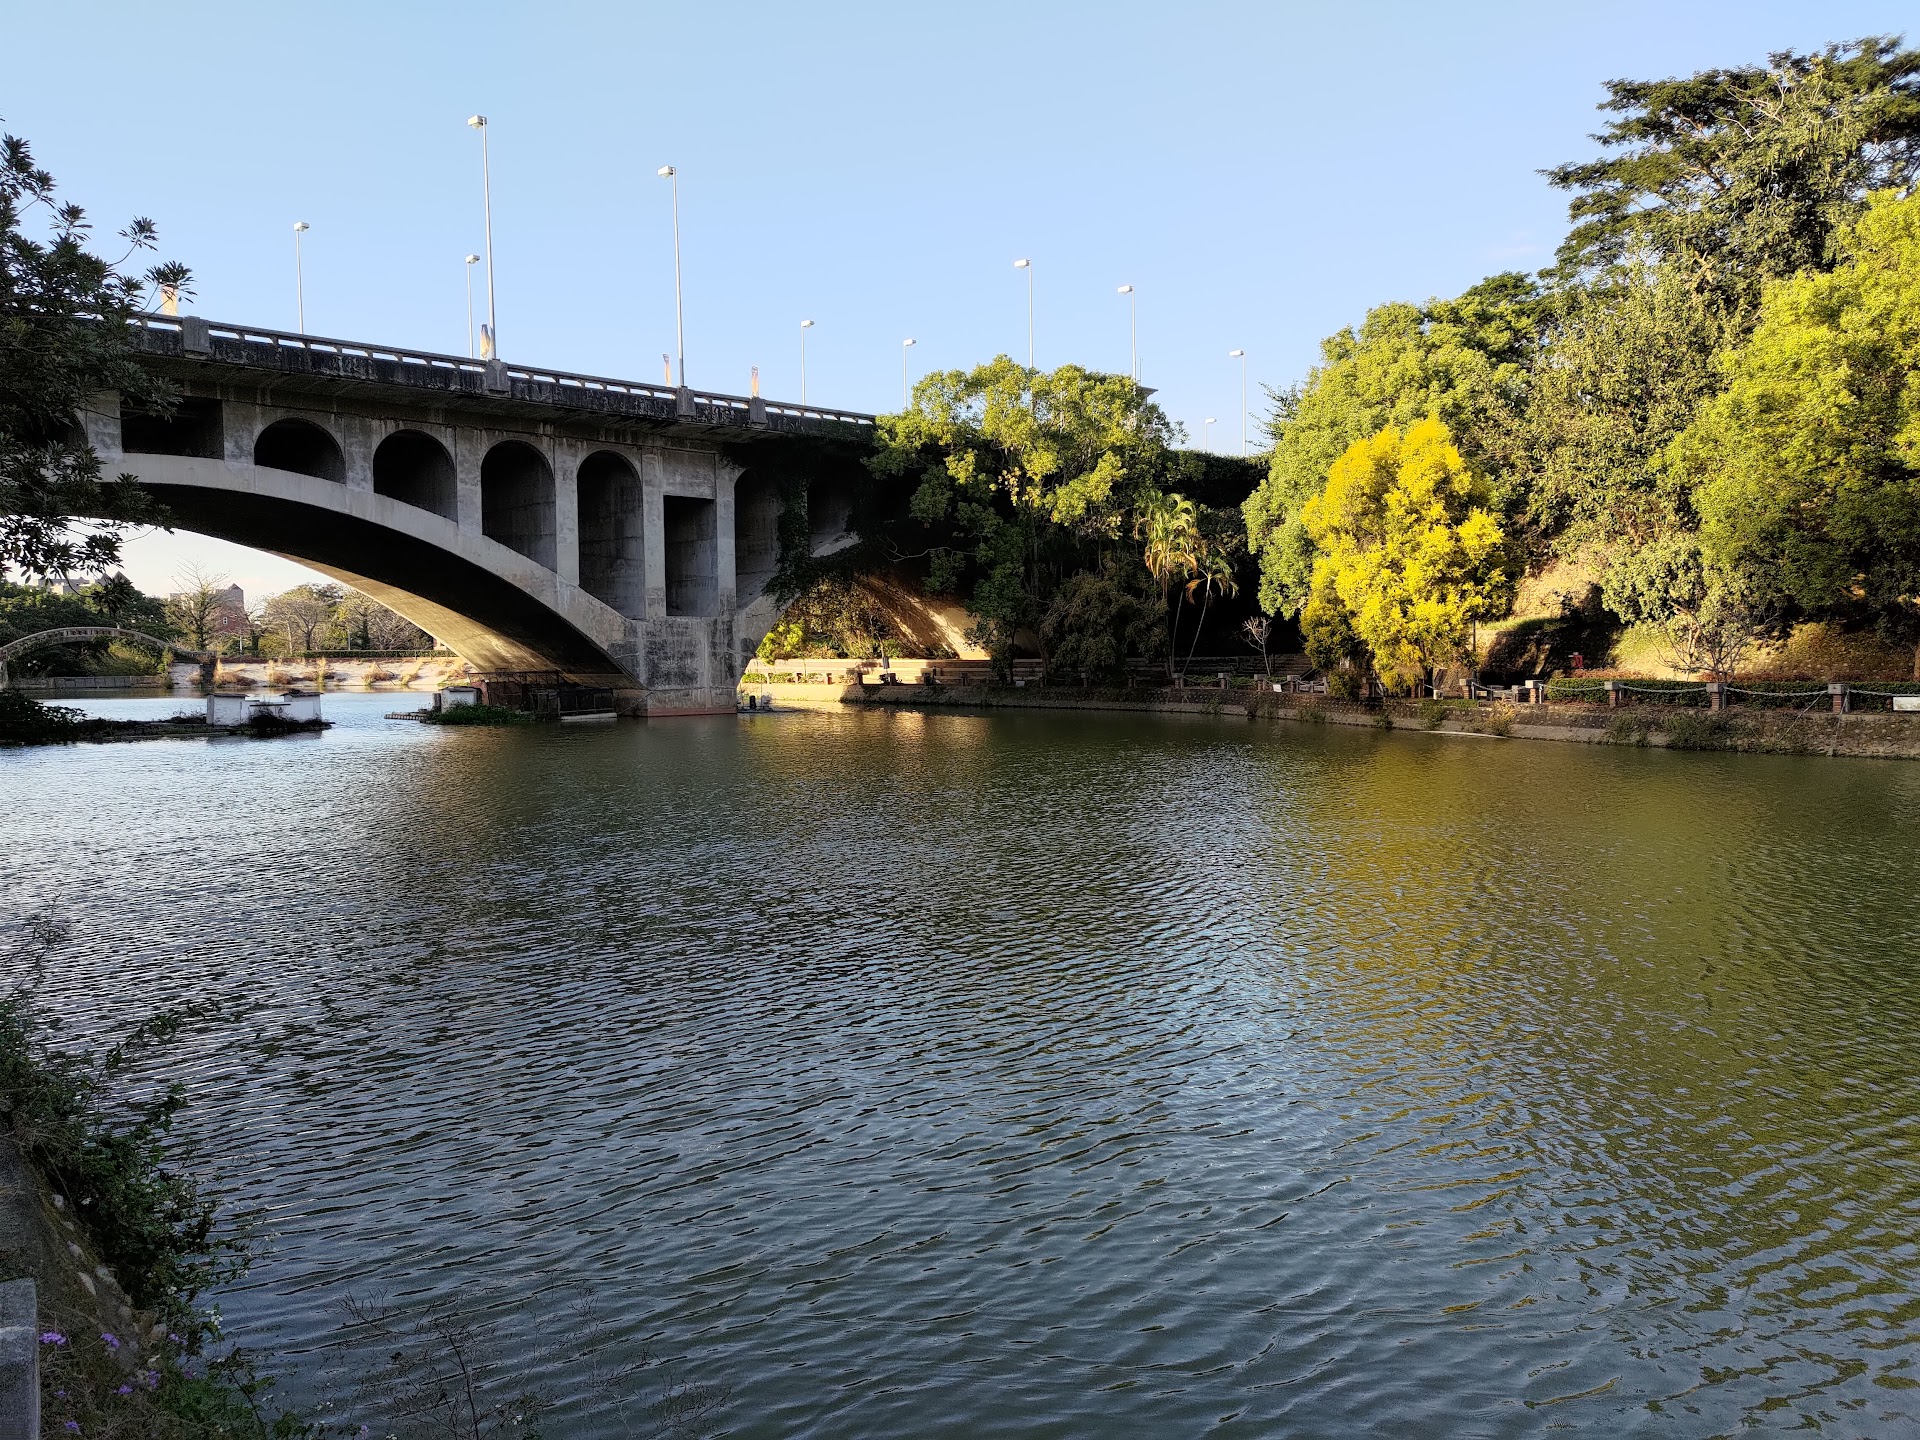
(1676, 727)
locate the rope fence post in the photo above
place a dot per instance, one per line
(1716, 694)
(1840, 698)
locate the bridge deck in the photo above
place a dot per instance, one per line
(189, 338)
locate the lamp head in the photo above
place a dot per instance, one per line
(478, 122)
(806, 324)
(1211, 421)
(300, 225)
(1021, 264)
(1236, 354)
(473, 259)
(1126, 289)
(909, 342)
(666, 171)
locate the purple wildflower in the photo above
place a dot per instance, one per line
(73, 1426)
(124, 1390)
(110, 1342)
(52, 1337)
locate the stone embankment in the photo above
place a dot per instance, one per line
(1756, 730)
(51, 1281)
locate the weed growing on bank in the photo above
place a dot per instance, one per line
(110, 1162)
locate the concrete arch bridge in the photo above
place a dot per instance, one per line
(618, 533)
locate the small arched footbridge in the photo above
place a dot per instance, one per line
(619, 533)
(83, 634)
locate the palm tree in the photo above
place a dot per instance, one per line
(1214, 577)
(1170, 528)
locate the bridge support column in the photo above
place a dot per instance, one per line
(566, 460)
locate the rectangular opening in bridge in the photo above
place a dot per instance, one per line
(691, 555)
(194, 428)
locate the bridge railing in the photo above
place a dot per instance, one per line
(195, 337)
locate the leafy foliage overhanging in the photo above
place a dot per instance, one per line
(65, 339)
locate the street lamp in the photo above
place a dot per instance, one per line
(1206, 434)
(299, 277)
(805, 325)
(472, 260)
(479, 122)
(906, 395)
(1027, 265)
(672, 176)
(1241, 356)
(1133, 327)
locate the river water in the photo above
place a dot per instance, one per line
(1037, 1075)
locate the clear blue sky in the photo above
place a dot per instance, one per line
(1263, 173)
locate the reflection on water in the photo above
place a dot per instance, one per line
(1047, 1075)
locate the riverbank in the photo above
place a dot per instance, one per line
(1755, 730)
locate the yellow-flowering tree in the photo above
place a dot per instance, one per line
(1408, 544)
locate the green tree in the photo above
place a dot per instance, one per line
(1464, 361)
(1095, 621)
(1808, 465)
(302, 613)
(1746, 174)
(1020, 479)
(123, 603)
(1410, 548)
(65, 337)
(1625, 368)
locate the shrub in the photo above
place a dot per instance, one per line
(1690, 730)
(1500, 718)
(25, 721)
(1627, 728)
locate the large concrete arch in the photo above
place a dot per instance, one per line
(495, 607)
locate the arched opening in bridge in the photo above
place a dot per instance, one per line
(756, 534)
(829, 515)
(692, 585)
(416, 469)
(613, 552)
(516, 500)
(193, 427)
(302, 447)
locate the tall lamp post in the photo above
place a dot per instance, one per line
(1241, 356)
(906, 394)
(472, 260)
(1206, 434)
(479, 122)
(1133, 327)
(672, 176)
(805, 325)
(300, 227)
(1027, 265)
